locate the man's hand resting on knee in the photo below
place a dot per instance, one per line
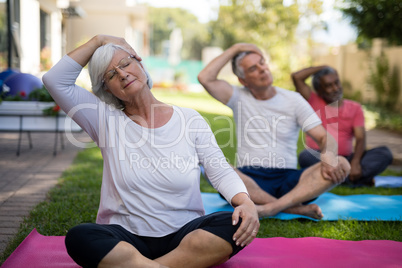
(334, 168)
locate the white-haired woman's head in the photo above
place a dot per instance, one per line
(97, 68)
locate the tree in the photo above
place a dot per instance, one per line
(264, 22)
(163, 20)
(376, 19)
(267, 23)
(385, 82)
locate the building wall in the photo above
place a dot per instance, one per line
(29, 36)
(56, 35)
(117, 18)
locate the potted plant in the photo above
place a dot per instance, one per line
(37, 111)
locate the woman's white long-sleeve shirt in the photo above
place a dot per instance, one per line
(150, 182)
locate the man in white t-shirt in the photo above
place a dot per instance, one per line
(268, 120)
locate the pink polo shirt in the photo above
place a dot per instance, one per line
(339, 122)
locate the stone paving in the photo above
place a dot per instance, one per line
(26, 179)
(378, 137)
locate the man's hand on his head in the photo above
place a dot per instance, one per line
(242, 47)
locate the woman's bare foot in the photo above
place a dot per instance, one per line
(310, 210)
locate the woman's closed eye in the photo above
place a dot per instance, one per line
(124, 63)
(109, 76)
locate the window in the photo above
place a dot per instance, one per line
(3, 36)
(9, 34)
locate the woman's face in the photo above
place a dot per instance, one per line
(125, 76)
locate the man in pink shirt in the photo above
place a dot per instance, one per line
(344, 120)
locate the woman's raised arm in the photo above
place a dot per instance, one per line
(83, 53)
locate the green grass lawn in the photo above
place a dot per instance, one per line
(76, 198)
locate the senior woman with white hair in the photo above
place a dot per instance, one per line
(151, 212)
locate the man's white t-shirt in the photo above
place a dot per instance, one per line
(268, 130)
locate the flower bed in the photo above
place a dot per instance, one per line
(29, 116)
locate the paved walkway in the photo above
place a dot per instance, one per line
(377, 137)
(26, 179)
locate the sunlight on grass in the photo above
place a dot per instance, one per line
(200, 101)
(370, 118)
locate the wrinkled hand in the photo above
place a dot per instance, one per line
(106, 39)
(334, 168)
(250, 224)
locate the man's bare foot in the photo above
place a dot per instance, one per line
(310, 210)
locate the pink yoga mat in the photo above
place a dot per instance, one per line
(317, 252)
(38, 251)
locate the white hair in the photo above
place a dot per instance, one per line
(236, 67)
(97, 68)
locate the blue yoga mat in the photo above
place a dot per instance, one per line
(365, 207)
(388, 181)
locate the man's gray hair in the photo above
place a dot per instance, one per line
(97, 68)
(236, 68)
(317, 77)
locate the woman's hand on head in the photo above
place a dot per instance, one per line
(106, 39)
(83, 53)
